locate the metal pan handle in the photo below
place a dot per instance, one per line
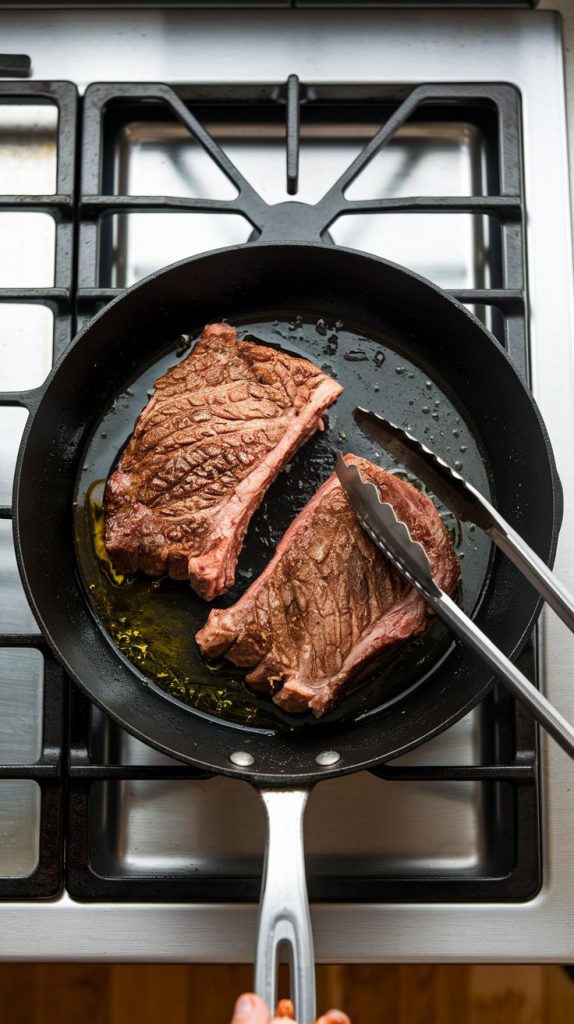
(284, 917)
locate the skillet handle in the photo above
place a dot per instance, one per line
(284, 916)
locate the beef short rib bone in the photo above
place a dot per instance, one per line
(329, 603)
(219, 428)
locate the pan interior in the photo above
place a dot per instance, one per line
(152, 622)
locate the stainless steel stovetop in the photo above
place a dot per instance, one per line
(164, 827)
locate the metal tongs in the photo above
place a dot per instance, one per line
(393, 537)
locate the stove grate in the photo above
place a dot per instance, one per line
(48, 770)
(69, 768)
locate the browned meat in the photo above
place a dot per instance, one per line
(219, 428)
(329, 603)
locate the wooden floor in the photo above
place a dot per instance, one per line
(96, 994)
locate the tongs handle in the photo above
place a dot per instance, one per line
(468, 504)
(533, 568)
(468, 631)
(394, 538)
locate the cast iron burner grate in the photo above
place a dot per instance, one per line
(48, 771)
(508, 769)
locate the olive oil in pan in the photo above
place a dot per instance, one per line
(153, 622)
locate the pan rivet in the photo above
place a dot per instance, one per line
(242, 759)
(328, 757)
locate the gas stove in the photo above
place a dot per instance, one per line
(107, 848)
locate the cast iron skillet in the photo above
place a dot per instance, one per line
(425, 328)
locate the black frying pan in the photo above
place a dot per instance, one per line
(400, 345)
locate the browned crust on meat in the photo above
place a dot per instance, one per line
(217, 431)
(329, 604)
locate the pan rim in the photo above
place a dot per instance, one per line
(41, 390)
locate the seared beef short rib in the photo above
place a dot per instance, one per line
(219, 428)
(329, 603)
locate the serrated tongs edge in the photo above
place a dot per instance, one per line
(388, 532)
(456, 492)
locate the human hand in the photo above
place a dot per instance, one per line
(250, 1009)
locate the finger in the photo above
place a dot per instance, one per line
(281, 1020)
(285, 1009)
(250, 1009)
(333, 1017)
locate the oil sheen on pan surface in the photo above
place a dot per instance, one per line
(152, 622)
